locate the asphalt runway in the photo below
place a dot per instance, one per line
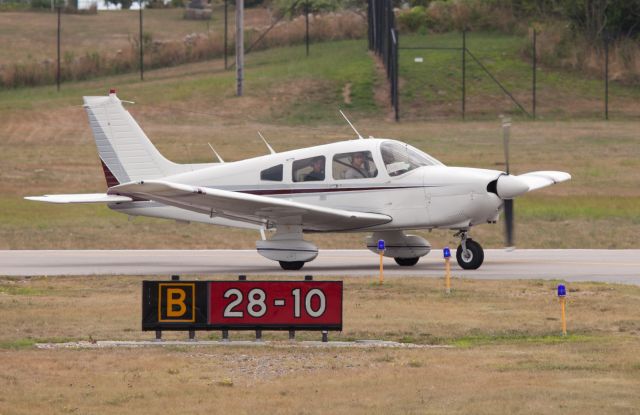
(615, 266)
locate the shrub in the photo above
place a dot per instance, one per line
(560, 46)
(413, 19)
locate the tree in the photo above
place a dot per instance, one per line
(126, 4)
(598, 19)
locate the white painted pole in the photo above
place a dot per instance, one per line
(239, 46)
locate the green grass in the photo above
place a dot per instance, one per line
(582, 207)
(26, 291)
(330, 66)
(27, 343)
(434, 87)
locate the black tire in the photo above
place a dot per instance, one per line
(291, 265)
(407, 262)
(476, 258)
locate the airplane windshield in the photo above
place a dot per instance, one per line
(402, 158)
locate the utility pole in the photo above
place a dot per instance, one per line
(239, 45)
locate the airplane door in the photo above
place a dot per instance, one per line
(427, 194)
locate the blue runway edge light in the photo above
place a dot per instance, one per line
(562, 292)
(446, 252)
(381, 245)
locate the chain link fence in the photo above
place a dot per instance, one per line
(473, 74)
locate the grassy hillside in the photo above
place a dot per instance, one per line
(433, 88)
(46, 147)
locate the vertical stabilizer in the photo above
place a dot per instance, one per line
(125, 151)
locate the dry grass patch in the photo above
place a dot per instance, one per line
(509, 357)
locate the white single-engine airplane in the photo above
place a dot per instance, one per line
(365, 185)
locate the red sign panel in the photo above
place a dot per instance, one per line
(276, 304)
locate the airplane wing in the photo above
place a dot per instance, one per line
(539, 179)
(248, 207)
(80, 198)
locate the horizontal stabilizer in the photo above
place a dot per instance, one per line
(539, 179)
(80, 198)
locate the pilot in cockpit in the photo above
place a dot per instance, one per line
(317, 172)
(357, 169)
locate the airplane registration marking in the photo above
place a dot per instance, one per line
(278, 303)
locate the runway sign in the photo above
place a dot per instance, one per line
(276, 305)
(242, 305)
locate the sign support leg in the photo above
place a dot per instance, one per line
(448, 275)
(564, 318)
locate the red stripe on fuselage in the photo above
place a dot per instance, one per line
(325, 190)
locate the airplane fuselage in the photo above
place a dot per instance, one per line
(429, 196)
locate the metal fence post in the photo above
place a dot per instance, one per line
(464, 73)
(306, 22)
(606, 78)
(533, 75)
(141, 46)
(58, 41)
(239, 46)
(396, 68)
(226, 2)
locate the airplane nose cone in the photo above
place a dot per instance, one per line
(509, 187)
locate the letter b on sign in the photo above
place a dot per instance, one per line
(177, 303)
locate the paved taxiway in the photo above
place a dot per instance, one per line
(619, 266)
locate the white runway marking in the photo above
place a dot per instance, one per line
(619, 266)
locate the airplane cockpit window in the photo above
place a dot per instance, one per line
(309, 169)
(400, 158)
(272, 174)
(355, 165)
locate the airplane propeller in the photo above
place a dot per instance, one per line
(508, 203)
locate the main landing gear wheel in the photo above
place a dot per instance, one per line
(473, 257)
(407, 262)
(291, 265)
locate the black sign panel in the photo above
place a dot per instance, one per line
(174, 305)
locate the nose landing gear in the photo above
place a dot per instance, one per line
(469, 254)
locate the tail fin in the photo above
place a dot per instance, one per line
(125, 151)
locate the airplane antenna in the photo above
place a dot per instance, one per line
(267, 144)
(351, 125)
(216, 153)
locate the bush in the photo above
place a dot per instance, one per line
(286, 7)
(445, 16)
(41, 4)
(413, 19)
